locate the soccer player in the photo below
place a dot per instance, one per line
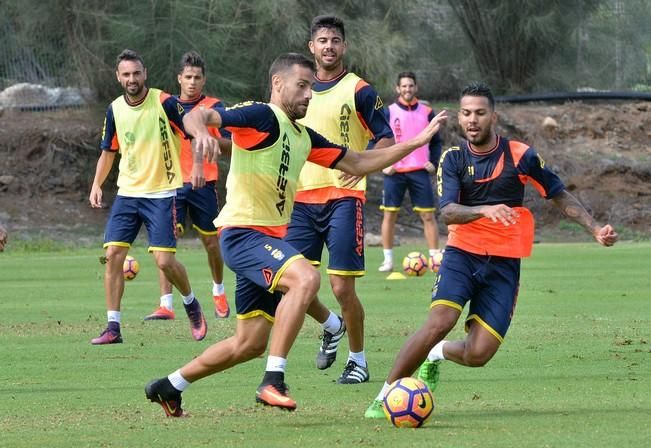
(3, 238)
(481, 190)
(141, 125)
(407, 117)
(198, 196)
(275, 283)
(330, 208)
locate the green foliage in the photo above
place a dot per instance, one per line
(515, 45)
(573, 370)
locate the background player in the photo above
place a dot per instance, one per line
(141, 125)
(198, 196)
(269, 150)
(481, 189)
(330, 210)
(407, 117)
(3, 238)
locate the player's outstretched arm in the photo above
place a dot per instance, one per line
(361, 163)
(196, 125)
(572, 208)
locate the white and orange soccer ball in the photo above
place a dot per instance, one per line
(415, 264)
(130, 268)
(408, 403)
(435, 261)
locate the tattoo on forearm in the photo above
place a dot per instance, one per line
(573, 209)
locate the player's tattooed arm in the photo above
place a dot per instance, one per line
(461, 214)
(572, 208)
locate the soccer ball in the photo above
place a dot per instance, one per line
(435, 261)
(130, 268)
(408, 403)
(414, 264)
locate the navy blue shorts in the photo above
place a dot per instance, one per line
(202, 205)
(339, 224)
(489, 283)
(421, 192)
(127, 216)
(258, 261)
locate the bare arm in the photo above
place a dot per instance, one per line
(461, 214)
(102, 170)
(366, 162)
(572, 208)
(350, 180)
(196, 124)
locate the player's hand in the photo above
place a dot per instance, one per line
(389, 171)
(432, 128)
(207, 146)
(502, 213)
(606, 235)
(349, 180)
(197, 177)
(95, 197)
(429, 167)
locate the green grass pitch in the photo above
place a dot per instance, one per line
(574, 371)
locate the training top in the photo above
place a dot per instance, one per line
(348, 112)
(268, 153)
(210, 170)
(469, 178)
(407, 120)
(147, 136)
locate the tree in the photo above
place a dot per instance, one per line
(512, 39)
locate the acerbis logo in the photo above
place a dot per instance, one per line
(167, 152)
(344, 124)
(281, 181)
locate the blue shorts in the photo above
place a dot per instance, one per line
(490, 284)
(339, 224)
(201, 203)
(127, 216)
(421, 192)
(258, 261)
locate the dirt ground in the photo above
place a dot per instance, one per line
(601, 150)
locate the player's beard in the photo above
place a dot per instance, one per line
(482, 138)
(295, 111)
(135, 90)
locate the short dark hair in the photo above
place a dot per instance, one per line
(327, 21)
(287, 60)
(479, 88)
(128, 55)
(192, 59)
(401, 75)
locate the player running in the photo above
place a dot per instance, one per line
(142, 125)
(198, 195)
(330, 209)
(275, 283)
(481, 190)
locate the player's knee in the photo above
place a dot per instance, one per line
(308, 284)
(344, 292)
(211, 243)
(476, 359)
(437, 329)
(427, 218)
(251, 348)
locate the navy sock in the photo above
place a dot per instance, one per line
(114, 327)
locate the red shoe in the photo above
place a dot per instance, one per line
(198, 324)
(222, 310)
(161, 313)
(275, 395)
(107, 337)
